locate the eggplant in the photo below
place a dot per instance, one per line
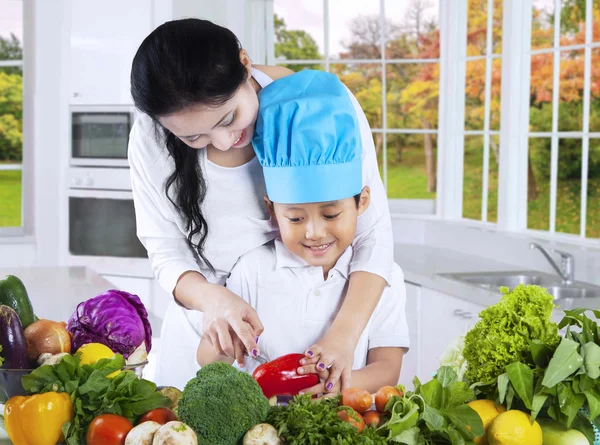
(12, 340)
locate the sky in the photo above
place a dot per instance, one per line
(11, 18)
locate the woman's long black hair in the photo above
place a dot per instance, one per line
(181, 64)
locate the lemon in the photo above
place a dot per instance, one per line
(514, 428)
(92, 352)
(488, 410)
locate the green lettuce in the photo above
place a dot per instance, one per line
(504, 333)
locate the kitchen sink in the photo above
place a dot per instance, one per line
(553, 284)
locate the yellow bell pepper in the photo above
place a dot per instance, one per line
(37, 419)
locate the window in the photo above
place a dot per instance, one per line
(564, 118)
(521, 149)
(387, 54)
(11, 113)
(482, 110)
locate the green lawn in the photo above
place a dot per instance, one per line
(10, 198)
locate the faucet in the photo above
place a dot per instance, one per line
(567, 266)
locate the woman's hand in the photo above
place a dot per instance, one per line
(334, 355)
(231, 325)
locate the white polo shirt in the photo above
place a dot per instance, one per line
(297, 306)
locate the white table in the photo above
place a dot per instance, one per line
(55, 292)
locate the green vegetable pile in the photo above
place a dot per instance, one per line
(93, 393)
(221, 404)
(305, 421)
(505, 330)
(1, 359)
(564, 382)
(435, 413)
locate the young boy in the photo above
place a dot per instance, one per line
(310, 148)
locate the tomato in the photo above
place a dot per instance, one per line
(158, 415)
(108, 429)
(353, 418)
(357, 399)
(384, 394)
(372, 418)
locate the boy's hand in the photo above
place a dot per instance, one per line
(327, 389)
(334, 356)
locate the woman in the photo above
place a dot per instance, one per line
(198, 192)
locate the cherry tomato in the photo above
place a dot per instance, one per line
(158, 415)
(384, 394)
(108, 429)
(358, 399)
(353, 418)
(372, 418)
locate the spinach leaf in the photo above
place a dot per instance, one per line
(565, 361)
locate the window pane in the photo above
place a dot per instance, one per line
(540, 113)
(570, 107)
(497, 27)
(474, 95)
(411, 166)
(11, 113)
(492, 208)
(568, 188)
(412, 95)
(572, 22)
(477, 27)
(593, 194)
(364, 80)
(473, 177)
(355, 30)
(298, 30)
(595, 91)
(542, 24)
(538, 184)
(416, 31)
(495, 105)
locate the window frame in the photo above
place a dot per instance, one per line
(399, 206)
(25, 230)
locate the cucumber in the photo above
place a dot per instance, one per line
(14, 295)
(12, 340)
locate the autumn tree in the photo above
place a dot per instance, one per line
(11, 101)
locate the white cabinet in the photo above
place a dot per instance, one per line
(104, 38)
(442, 319)
(410, 364)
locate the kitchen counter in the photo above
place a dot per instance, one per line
(55, 292)
(421, 265)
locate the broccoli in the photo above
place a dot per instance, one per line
(221, 404)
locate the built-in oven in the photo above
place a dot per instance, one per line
(101, 223)
(100, 135)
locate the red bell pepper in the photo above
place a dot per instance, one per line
(279, 377)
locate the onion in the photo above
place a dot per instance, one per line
(46, 336)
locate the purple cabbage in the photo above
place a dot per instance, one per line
(114, 318)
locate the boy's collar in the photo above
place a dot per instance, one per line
(285, 258)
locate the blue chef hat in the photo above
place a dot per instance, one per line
(307, 139)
